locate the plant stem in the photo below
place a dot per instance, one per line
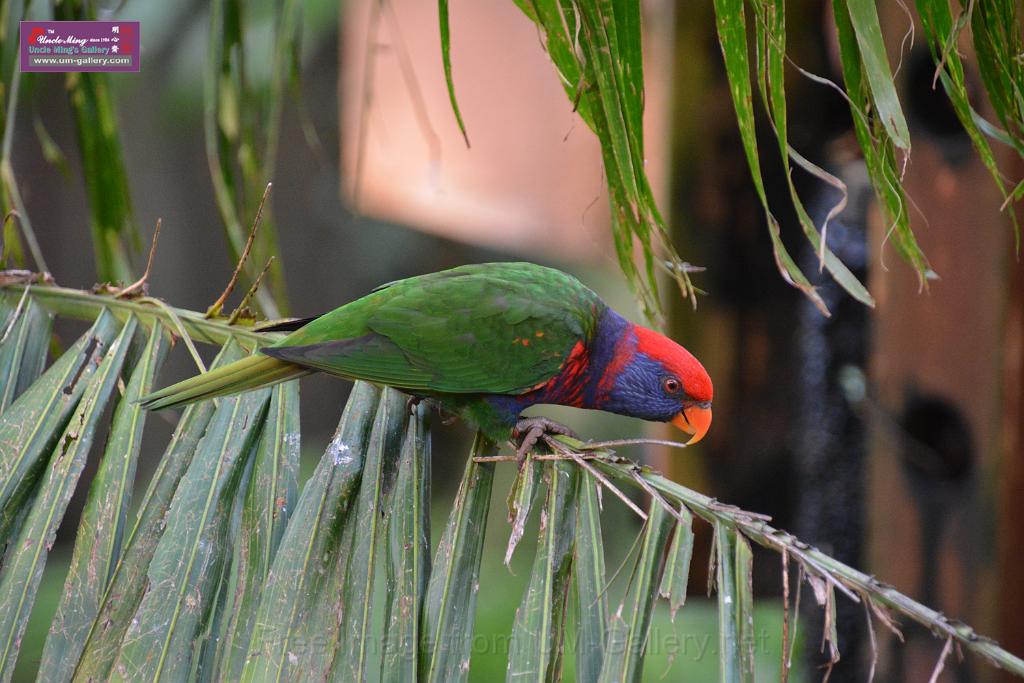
(83, 305)
(818, 563)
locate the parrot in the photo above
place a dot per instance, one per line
(484, 341)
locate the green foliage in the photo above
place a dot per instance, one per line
(227, 572)
(241, 123)
(101, 530)
(115, 236)
(596, 48)
(535, 651)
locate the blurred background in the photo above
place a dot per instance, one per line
(891, 438)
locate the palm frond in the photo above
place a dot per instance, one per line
(227, 572)
(595, 47)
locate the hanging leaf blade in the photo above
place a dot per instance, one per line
(129, 579)
(19, 578)
(450, 608)
(184, 574)
(269, 498)
(590, 583)
(676, 576)
(297, 614)
(102, 525)
(408, 555)
(367, 519)
(630, 624)
(535, 648)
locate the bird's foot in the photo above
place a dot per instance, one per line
(529, 430)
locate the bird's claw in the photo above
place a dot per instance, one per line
(530, 430)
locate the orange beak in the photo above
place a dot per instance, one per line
(694, 420)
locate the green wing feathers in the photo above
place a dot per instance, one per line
(500, 328)
(495, 328)
(254, 372)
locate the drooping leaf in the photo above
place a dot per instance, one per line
(520, 502)
(590, 583)
(233, 114)
(20, 576)
(102, 526)
(408, 555)
(677, 567)
(298, 610)
(732, 36)
(868, 30)
(940, 34)
(770, 31)
(535, 649)
(184, 574)
(596, 47)
(129, 580)
(23, 343)
(631, 622)
(450, 607)
(31, 427)
(115, 236)
(735, 605)
(744, 579)
(880, 157)
(729, 650)
(270, 495)
(446, 60)
(356, 643)
(998, 43)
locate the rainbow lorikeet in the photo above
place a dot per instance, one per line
(486, 342)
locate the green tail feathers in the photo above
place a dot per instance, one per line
(254, 372)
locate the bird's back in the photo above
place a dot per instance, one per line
(485, 328)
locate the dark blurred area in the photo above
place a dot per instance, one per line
(891, 438)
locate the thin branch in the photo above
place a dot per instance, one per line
(540, 457)
(579, 460)
(786, 662)
(796, 613)
(11, 183)
(419, 105)
(235, 314)
(369, 73)
(218, 305)
(659, 498)
(872, 639)
(140, 284)
(941, 664)
(853, 583)
(611, 487)
(83, 305)
(617, 443)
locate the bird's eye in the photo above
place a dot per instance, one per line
(671, 385)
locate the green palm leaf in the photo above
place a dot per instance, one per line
(98, 544)
(22, 571)
(185, 572)
(450, 606)
(297, 610)
(535, 651)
